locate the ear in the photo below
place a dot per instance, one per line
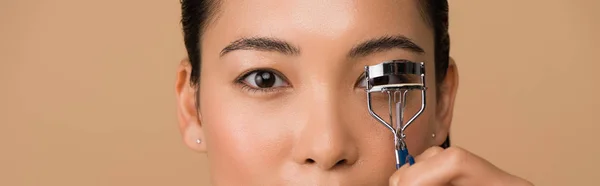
(187, 114)
(445, 103)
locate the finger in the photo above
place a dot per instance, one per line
(452, 166)
(430, 171)
(395, 178)
(430, 152)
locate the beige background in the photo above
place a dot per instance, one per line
(87, 92)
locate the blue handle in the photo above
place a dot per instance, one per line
(404, 158)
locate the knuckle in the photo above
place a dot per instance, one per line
(430, 152)
(394, 180)
(435, 149)
(457, 155)
(400, 180)
(400, 177)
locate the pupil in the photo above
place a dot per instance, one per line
(264, 79)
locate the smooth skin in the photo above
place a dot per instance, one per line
(310, 125)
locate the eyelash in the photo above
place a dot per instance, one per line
(253, 90)
(360, 79)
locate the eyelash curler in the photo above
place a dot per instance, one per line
(392, 78)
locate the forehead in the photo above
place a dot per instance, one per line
(327, 20)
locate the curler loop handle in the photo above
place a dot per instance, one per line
(404, 158)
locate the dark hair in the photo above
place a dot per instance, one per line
(196, 14)
(436, 13)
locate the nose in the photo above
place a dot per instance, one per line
(326, 139)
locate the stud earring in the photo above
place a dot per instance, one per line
(432, 135)
(198, 141)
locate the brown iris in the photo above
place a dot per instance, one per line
(264, 79)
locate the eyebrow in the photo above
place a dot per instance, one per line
(261, 44)
(384, 43)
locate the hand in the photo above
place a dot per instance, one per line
(453, 166)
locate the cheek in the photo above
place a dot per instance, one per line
(243, 135)
(418, 134)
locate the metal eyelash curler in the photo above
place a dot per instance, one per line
(394, 79)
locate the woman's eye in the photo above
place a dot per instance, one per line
(264, 79)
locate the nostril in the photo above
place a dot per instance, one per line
(341, 162)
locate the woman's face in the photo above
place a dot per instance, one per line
(280, 95)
